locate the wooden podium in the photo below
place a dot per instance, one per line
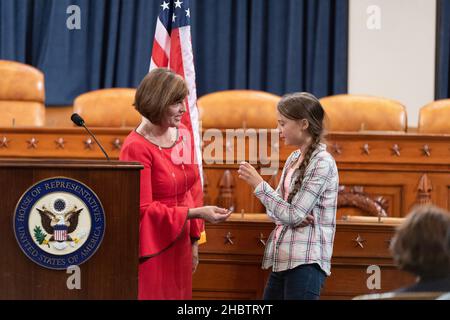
(112, 271)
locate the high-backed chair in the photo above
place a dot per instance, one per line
(108, 108)
(434, 117)
(22, 95)
(235, 109)
(348, 112)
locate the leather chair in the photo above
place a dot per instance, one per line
(22, 95)
(108, 108)
(234, 109)
(434, 117)
(347, 112)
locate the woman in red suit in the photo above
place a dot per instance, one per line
(171, 208)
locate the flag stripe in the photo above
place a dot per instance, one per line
(189, 72)
(162, 37)
(158, 55)
(152, 64)
(176, 59)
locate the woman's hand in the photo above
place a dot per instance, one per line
(194, 256)
(211, 214)
(249, 174)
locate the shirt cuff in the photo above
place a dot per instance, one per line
(260, 189)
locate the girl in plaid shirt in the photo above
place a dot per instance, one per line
(303, 206)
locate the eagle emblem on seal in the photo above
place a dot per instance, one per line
(59, 224)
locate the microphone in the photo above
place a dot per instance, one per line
(78, 120)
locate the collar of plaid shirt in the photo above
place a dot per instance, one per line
(293, 159)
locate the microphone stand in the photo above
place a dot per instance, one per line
(98, 143)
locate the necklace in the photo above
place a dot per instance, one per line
(170, 169)
(164, 160)
(154, 139)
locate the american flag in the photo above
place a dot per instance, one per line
(172, 48)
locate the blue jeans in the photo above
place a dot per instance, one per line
(301, 283)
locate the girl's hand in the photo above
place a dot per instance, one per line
(249, 174)
(307, 221)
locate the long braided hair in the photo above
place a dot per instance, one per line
(298, 106)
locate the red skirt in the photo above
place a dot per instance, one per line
(168, 275)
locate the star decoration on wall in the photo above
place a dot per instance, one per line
(426, 150)
(4, 142)
(396, 149)
(359, 241)
(88, 144)
(117, 144)
(60, 143)
(366, 148)
(32, 143)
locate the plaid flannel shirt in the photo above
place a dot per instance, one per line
(289, 245)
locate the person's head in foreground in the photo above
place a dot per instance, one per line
(421, 246)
